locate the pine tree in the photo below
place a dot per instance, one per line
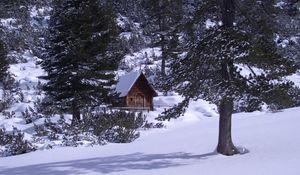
(212, 68)
(130, 9)
(4, 102)
(3, 62)
(162, 25)
(15, 37)
(288, 38)
(82, 56)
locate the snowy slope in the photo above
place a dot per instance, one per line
(295, 78)
(183, 147)
(26, 75)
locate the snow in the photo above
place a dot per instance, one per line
(295, 78)
(126, 82)
(280, 4)
(186, 147)
(209, 24)
(137, 60)
(126, 35)
(246, 71)
(121, 21)
(9, 23)
(195, 109)
(36, 13)
(125, 23)
(294, 39)
(26, 75)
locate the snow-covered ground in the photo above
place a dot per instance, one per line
(183, 147)
(26, 75)
(295, 78)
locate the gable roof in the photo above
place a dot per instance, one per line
(126, 82)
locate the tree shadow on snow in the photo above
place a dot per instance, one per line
(106, 165)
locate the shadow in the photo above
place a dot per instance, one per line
(106, 165)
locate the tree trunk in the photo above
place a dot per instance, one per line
(225, 144)
(228, 13)
(164, 55)
(163, 64)
(75, 112)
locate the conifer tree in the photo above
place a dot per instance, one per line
(4, 102)
(163, 19)
(212, 68)
(288, 38)
(82, 56)
(17, 11)
(3, 62)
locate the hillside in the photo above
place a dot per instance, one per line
(270, 141)
(60, 62)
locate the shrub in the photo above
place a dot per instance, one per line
(95, 128)
(116, 127)
(13, 143)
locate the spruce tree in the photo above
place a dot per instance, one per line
(162, 25)
(3, 62)
(3, 77)
(82, 55)
(15, 36)
(287, 38)
(212, 68)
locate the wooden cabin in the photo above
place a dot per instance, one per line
(136, 93)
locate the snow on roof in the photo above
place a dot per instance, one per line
(126, 82)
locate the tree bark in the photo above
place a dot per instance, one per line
(228, 12)
(75, 112)
(164, 55)
(225, 144)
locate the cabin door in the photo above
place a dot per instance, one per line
(139, 100)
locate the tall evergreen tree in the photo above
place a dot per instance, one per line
(3, 62)
(82, 56)
(212, 68)
(162, 23)
(4, 102)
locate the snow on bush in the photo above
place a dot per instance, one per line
(13, 143)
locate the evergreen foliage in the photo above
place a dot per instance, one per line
(13, 143)
(132, 9)
(163, 19)
(115, 127)
(6, 81)
(202, 57)
(3, 62)
(288, 39)
(212, 68)
(95, 128)
(16, 36)
(82, 56)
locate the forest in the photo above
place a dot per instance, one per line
(60, 61)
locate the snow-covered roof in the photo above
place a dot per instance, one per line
(126, 82)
